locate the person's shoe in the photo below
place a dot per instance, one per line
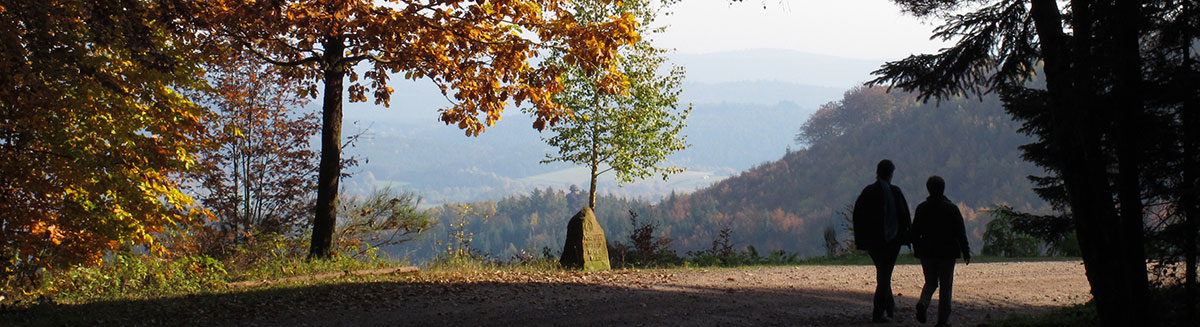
(921, 307)
(880, 319)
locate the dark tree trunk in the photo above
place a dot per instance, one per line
(330, 170)
(1076, 138)
(1086, 175)
(1124, 30)
(1191, 179)
(1190, 199)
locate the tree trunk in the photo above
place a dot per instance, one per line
(595, 152)
(1125, 18)
(592, 188)
(1191, 179)
(330, 170)
(1076, 139)
(1190, 199)
(1086, 176)
(1128, 93)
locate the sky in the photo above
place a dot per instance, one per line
(859, 29)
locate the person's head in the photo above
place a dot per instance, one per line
(884, 170)
(936, 185)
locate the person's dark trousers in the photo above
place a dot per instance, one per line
(939, 272)
(884, 258)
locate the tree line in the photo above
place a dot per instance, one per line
(788, 204)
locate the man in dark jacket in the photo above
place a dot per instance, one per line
(938, 237)
(881, 222)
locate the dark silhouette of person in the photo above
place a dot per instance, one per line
(881, 223)
(938, 237)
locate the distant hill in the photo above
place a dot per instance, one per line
(776, 65)
(786, 204)
(760, 92)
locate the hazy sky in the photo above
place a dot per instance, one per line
(862, 29)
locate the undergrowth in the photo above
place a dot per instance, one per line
(132, 276)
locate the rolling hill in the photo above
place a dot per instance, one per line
(786, 204)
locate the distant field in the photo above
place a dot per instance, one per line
(686, 181)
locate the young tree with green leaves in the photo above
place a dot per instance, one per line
(628, 132)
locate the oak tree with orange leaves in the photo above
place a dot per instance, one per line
(482, 54)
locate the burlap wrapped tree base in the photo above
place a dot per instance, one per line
(586, 247)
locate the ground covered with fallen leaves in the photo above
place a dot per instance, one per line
(784, 296)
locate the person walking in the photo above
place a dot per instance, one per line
(938, 237)
(881, 221)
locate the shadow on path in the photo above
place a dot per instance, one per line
(493, 304)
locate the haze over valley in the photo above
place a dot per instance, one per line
(747, 108)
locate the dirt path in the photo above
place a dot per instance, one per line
(811, 295)
(777, 296)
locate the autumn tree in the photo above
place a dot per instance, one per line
(629, 132)
(1092, 116)
(93, 129)
(258, 174)
(481, 55)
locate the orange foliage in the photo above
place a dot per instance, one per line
(786, 222)
(481, 54)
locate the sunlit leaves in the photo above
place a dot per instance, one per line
(483, 56)
(92, 131)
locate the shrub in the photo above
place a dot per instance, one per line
(458, 254)
(722, 255)
(135, 276)
(1001, 239)
(385, 217)
(645, 249)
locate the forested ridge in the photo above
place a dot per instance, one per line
(787, 204)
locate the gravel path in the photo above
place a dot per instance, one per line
(775, 296)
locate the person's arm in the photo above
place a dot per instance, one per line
(914, 230)
(856, 216)
(961, 233)
(917, 231)
(905, 218)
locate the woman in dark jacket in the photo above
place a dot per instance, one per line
(938, 237)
